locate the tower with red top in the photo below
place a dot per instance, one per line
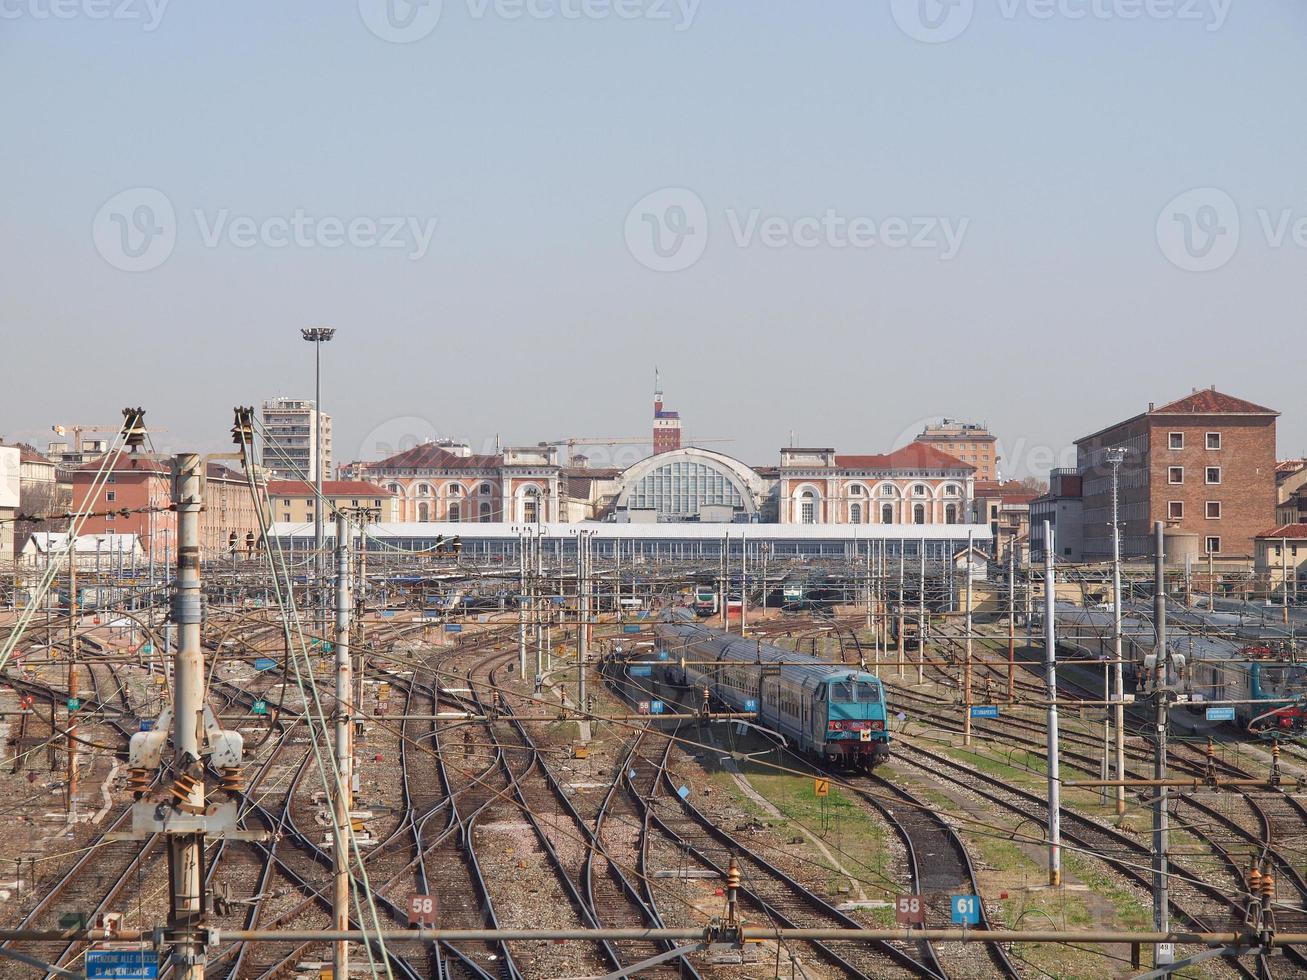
(666, 425)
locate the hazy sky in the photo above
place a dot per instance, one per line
(834, 218)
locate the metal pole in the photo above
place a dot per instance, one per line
(966, 698)
(344, 750)
(72, 671)
(744, 584)
(1161, 831)
(1118, 671)
(1050, 676)
(583, 614)
(318, 533)
(901, 651)
(1011, 620)
(921, 616)
(186, 851)
(521, 605)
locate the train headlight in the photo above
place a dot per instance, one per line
(878, 726)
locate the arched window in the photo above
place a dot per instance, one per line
(889, 490)
(455, 490)
(887, 514)
(424, 511)
(808, 508)
(485, 513)
(485, 490)
(918, 513)
(455, 512)
(855, 513)
(950, 513)
(919, 490)
(531, 505)
(395, 488)
(856, 490)
(952, 490)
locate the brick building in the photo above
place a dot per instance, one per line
(138, 482)
(1205, 464)
(971, 443)
(666, 424)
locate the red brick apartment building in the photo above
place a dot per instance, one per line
(1204, 464)
(136, 481)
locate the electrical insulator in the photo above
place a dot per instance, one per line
(134, 427)
(231, 542)
(457, 544)
(231, 779)
(242, 431)
(249, 542)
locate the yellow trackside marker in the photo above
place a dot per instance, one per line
(821, 786)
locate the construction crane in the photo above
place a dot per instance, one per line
(78, 430)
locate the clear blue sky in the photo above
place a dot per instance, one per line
(1055, 142)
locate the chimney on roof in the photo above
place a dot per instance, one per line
(1150, 406)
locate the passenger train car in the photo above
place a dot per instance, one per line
(830, 712)
(1244, 657)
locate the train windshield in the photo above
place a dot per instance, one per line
(842, 691)
(868, 691)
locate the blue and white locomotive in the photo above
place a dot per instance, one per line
(833, 713)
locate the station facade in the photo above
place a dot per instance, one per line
(917, 484)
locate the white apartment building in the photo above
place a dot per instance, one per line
(290, 450)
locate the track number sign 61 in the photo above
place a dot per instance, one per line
(421, 910)
(909, 910)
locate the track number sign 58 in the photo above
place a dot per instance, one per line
(421, 910)
(909, 910)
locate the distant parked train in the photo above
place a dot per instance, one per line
(830, 712)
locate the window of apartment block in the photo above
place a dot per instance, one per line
(1213, 474)
(286, 517)
(1175, 510)
(1213, 510)
(1213, 545)
(111, 496)
(1175, 440)
(1175, 474)
(108, 517)
(1213, 440)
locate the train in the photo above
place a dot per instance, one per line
(833, 714)
(1241, 656)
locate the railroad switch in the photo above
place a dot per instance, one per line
(1209, 771)
(1275, 763)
